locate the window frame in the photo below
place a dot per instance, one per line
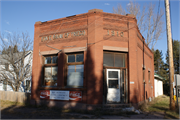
(125, 59)
(49, 65)
(73, 63)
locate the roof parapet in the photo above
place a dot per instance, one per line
(38, 22)
(95, 10)
(131, 15)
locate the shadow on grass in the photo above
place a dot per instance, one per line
(166, 112)
(168, 116)
(160, 108)
(32, 112)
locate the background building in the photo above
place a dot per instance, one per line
(5, 67)
(158, 85)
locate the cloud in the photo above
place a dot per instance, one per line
(128, 4)
(18, 44)
(106, 4)
(5, 39)
(7, 22)
(21, 39)
(8, 31)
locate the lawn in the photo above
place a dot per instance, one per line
(161, 105)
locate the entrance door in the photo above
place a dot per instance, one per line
(113, 85)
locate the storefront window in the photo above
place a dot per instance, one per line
(50, 71)
(75, 70)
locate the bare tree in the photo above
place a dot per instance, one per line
(16, 60)
(149, 22)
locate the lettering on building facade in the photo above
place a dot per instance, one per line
(63, 35)
(115, 33)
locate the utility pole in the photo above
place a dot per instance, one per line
(170, 53)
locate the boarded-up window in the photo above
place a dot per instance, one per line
(114, 59)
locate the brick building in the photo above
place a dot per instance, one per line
(91, 59)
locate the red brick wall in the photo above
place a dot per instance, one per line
(96, 26)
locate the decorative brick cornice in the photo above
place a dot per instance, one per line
(114, 38)
(113, 27)
(67, 19)
(114, 21)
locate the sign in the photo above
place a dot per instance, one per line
(131, 82)
(44, 94)
(59, 95)
(75, 95)
(63, 35)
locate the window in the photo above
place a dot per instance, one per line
(149, 76)
(6, 66)
(50, 70)
(5, 85)
(143, 74)
(114, 59)
(27, 85)
(75, 70)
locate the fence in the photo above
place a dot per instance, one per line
(15, 96)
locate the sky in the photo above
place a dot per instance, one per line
(21, 15)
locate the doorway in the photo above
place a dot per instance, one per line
(113, 85)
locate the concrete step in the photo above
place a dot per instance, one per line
(116, 105)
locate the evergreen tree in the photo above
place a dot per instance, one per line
(10, 49)
(15, 49)
(159, 65)
(176, 44)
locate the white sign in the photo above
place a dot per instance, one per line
(59, 95)
(131, 82)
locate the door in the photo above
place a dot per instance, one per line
(113, 85)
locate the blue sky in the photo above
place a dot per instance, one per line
(20, 16)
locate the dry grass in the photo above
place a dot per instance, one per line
(5, 104)
(161, 105)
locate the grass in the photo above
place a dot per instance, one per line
(5, 103)
(161, 105)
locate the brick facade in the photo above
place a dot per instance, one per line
(92, 33)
